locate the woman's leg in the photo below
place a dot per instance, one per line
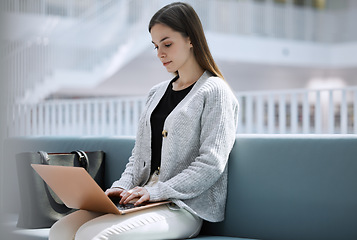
(155, 223)
(66, 227)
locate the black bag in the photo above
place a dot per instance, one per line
(40, 206)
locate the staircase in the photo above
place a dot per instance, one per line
(55, 51)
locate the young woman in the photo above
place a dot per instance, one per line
(185, 135)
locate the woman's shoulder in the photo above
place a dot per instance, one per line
(214, 84)
(217, 90)
(158, 86)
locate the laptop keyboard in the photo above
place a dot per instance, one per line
(127, 206)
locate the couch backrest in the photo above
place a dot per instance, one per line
(291, 187)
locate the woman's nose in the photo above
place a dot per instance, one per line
(160, 54)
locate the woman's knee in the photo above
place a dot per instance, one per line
(66, 227)
(162, 223)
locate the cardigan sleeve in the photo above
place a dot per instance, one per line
(217, 135)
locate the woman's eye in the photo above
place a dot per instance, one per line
(166, 45)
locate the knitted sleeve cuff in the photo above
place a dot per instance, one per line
(154, 194)
(122, 184)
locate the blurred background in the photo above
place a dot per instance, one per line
(84, 67)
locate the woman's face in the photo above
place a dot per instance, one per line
(173, 50)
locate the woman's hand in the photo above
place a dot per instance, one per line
(139, 193)
(114, 192)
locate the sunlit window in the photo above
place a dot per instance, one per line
(318, 4)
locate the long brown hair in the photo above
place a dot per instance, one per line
(181, 17)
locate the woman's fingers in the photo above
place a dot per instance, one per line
(127, 196)
(144, 198)
(114, 192)
(136, 193)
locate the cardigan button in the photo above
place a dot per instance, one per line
(164, 133)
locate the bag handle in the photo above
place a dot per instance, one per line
(83, 161)
(44, 157)
(82, 158)
(58, 207)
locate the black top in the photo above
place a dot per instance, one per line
(167, 103)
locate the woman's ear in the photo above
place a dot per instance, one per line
(189, 40)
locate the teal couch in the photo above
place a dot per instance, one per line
(280, 186)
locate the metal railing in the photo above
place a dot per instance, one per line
(269, 19)
(68, 8)
(330, 111)
(249, 17)
(82, 117)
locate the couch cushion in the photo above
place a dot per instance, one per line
(9, 230)
(31, 234)
(220, 238)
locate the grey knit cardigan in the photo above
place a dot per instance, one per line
(201, 132)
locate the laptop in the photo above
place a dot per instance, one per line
(78, 190)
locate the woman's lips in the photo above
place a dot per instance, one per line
(166, 63)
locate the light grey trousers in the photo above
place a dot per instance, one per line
(159, 222)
